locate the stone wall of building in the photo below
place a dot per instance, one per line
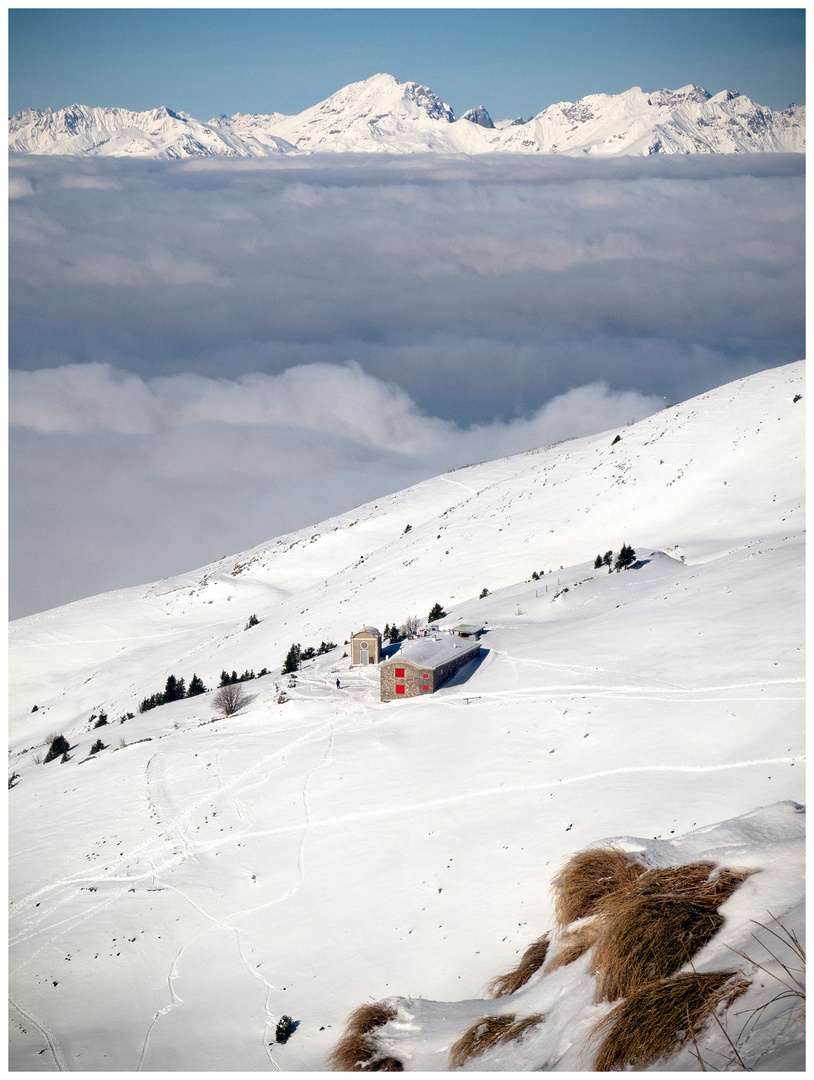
(418, 679)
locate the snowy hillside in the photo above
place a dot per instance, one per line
(111, 132)
(381, 114)
(177, 892)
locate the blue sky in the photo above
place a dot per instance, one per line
(513, 61)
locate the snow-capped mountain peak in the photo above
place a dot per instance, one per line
(381, 114)
(479, 116)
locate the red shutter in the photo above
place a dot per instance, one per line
(399, 672)
(400, 689)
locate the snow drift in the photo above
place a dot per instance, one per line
(178, 892)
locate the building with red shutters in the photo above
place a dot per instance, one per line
(423, 665)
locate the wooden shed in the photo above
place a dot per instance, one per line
(423, 666)
(365, 646)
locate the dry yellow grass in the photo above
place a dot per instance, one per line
(357, 1050)
(649, 931)
(658, 1019)
(489, 1031)
(532, 960)
(574, 944)
(588, 878)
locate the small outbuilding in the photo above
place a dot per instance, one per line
(470, 631)
(365, 646)
(424, 665)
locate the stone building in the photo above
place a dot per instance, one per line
(422, 666)
(365, 646)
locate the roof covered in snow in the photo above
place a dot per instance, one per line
(431, 651)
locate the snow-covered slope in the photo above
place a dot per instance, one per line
(110, 132)
(321, 849)
(381, 114)
(685, 121)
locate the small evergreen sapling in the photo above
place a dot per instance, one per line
(97, 746)
(436, 613)
(285, 1028)
(59, 746)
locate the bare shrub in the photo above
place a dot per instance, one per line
(793, 971)
(487, 1032)
(658, 1019)
(532, 960)
(651, 929)
(588, 877)
(357, 1050)
(574, 944)
(229, 699)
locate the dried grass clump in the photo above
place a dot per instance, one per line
(657, 924)
(357, 1050)
(588, 878)
(658, 1019)
(532, 960)
(486, 1033)
(574, 944)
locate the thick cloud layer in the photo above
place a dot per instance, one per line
(206, 354)
(666, 276)
(117, 480)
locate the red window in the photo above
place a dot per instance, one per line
(426, 675)
(426, 686)
(399, 672)
(400, 688)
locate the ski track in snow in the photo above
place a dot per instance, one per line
(175, 1001)
(53, 1045)
(225, 924)
(172, 828)
(513, 789)
(185, 848)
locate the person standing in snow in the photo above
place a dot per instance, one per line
(337, 685)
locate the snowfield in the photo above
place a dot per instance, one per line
(175, 894)
(383, 115)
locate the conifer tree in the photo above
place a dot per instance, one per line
(59, 748)
(436, 613)
(196, 686)
(625, 558)
(292, 660)
(174, 690)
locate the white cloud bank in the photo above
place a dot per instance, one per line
(118, 479)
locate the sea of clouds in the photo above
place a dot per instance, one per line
(207, 354)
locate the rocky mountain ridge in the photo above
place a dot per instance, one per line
(383, 115)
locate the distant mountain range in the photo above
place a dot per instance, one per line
(383, 115)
